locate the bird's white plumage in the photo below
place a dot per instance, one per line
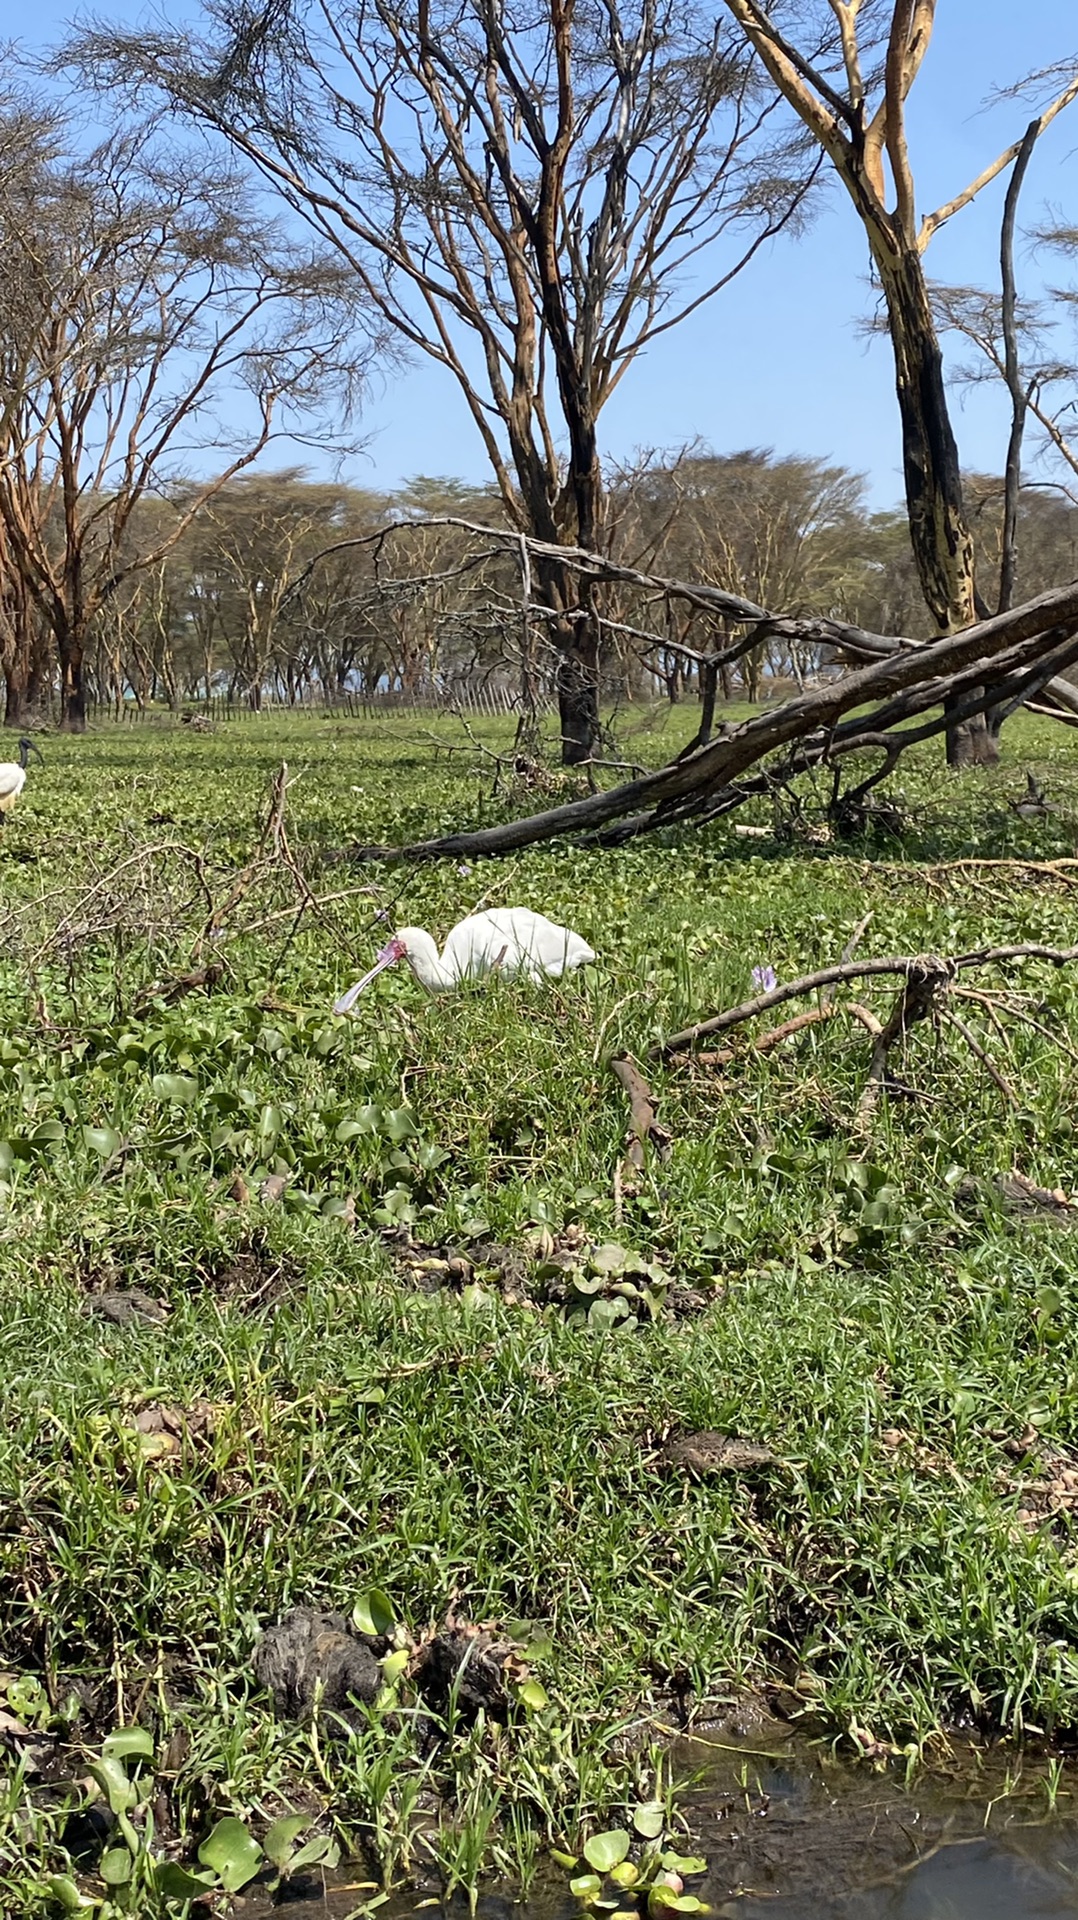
(507, 940)
(13, 774)
(12, 782)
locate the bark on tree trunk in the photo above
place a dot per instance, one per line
(939, 531)
(72, 683)
(578, 692)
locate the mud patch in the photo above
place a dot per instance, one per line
(253, 1276)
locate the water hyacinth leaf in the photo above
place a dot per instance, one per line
(664, 1900)
(610, 1258)
(67, 1895)
(649, 1818)
(120, 1792)
(683, 1862)
(334, 1207)
(232, 1852)
(128, 1743)
(400, 1123)
(625, 1874)
(586, 1887)
(179, 1087)
(349, 1130)
(373, 1613)
(606, 1314)
(586, 1284)
(115, 1867)
(174, 1882)
(394, 1664)
(279, 1842)
(321, 1850)
(606, 1850)
(101, 1140)
(534, 1697)
(48, 1134)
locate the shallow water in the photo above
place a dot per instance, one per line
(791, 1834)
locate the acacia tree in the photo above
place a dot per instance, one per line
(139, 295)
(858, 118)
(519, 190)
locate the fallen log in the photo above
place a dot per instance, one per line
(996, 662)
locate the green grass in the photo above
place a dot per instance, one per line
(464, 1452)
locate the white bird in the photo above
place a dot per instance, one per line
(13, 775)
(504, 940)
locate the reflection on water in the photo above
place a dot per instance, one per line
(806, 1838)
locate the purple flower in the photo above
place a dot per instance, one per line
(464, 872)
(765, 978)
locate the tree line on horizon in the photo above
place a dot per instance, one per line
(288, 199)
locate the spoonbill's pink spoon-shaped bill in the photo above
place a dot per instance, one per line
(392, 951)
(505, 940)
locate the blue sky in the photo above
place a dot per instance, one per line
(778, 360)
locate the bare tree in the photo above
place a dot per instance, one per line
(139, 296)
(857, 115)
(521, 192)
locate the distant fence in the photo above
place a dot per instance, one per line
(488, 702)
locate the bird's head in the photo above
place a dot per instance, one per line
(395, 949)
(26, 748)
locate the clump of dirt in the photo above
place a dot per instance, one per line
(471, 1665)
(706, 1453)
(608, 1284)
(311, 1657)
(1021, 1197)
(125, 1307)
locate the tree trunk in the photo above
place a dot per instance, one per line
(939, 530)
(72, 681)
(578, 691)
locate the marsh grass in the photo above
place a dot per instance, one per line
(459, 1452)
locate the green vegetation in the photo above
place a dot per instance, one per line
(325, 1420)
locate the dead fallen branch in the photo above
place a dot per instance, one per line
(1004, 659)
(908, 965)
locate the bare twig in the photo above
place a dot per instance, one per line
(985, 1058)
(645, 1128)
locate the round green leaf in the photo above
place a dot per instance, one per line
(101, 1140)
(115, 1867)
(175, 1086)
(610, 1258)
(373, 1612)
(649, 1818)
(586, 1887)
(232, 1852)
(533, 1696)
(606, 1850)
(625, 1874)
(683, 1863)
(120, 1792)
